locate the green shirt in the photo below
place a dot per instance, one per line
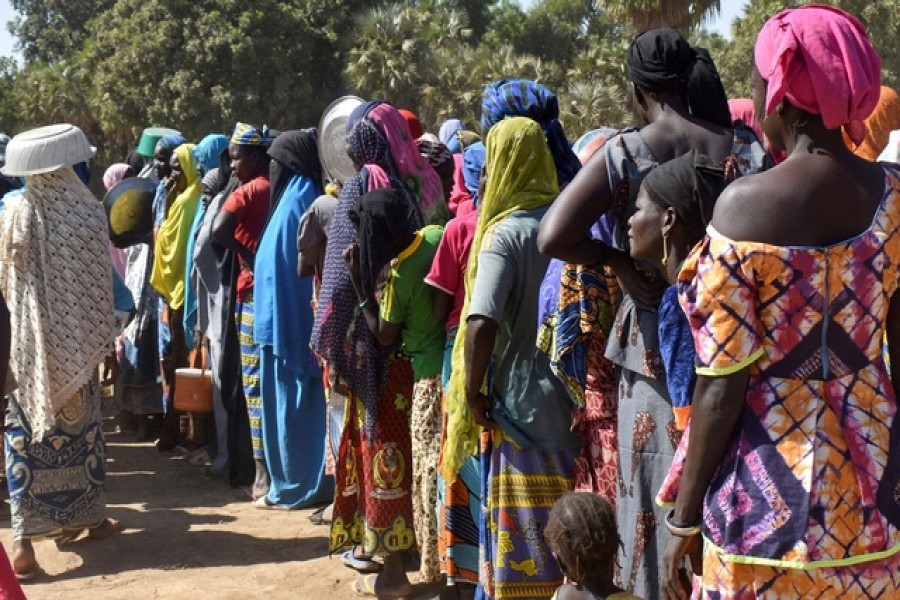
(408, 301)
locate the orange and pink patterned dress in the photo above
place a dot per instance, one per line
(807, 498)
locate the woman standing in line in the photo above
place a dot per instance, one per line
(793, 461)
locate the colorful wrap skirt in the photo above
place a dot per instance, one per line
(373, 505)
(522, 487)
(57, 483)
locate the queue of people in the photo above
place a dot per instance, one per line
(656, 363)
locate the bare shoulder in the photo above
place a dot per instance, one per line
(744, 209)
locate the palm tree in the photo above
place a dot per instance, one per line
(650, 14)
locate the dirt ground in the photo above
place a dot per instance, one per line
(188, 537)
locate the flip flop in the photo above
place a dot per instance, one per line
(316, 518)
(363, 565)
(29, 575)
(262, 503)
(364, 586)
(67, 537)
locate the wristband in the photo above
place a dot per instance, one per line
(364, 303)
(681, 531)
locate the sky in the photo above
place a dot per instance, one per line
(721, 25)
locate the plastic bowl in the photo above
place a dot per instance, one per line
(47, 149)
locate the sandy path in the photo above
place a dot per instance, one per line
(188, 537)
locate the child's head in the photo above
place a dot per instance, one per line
(582, 535)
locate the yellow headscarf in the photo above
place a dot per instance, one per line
(170, 250)
(884, 119)
(520, 176)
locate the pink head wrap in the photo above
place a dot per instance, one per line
(412, 168)
(820, 58)
(116, 173)
(742, 110)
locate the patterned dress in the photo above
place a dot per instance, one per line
(807, 498)
(647, 430)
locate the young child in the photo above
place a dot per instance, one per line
(582, 534)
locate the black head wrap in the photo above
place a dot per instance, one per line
(135, 161)
(381, 217)
(294, 152)
(689, 184)
(661, 60)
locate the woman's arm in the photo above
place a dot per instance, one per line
(481, 335)
(717, 406)
(442, 304)
(5, 341)
(564, 231)
(223, 230)
(893, 340)
(384, 331)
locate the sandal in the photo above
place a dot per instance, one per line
(363, 565)
(198, 458)
(67, 537)
(318, 516)
(262, 503)
(364, 586)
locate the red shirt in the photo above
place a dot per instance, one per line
(448, 269)
(250, 205)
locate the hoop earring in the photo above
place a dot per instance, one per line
(665, 259)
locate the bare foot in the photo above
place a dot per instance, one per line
(105, 529)
(261, 484)
(24, 561)
(392, 581)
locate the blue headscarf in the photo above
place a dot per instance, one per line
(171, 141)
(83, 170)
(473, 159)
(447, 134)
(208, 152)
(524, 98)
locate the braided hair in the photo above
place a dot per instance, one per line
(582, 533)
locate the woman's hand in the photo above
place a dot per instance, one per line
(646, 292)
(479, 407)
(351, 258)
(676, 583)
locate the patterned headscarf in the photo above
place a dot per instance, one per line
(433, 150)
(59, 291)
(820, 59)
(340, 334)
(520, 176)
(524, 98)
(249, 135)
(212, 182)
(4, 142)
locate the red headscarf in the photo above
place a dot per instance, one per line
(415, 125)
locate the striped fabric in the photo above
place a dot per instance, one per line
(250, 372)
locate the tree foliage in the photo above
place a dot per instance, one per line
(116, 66)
